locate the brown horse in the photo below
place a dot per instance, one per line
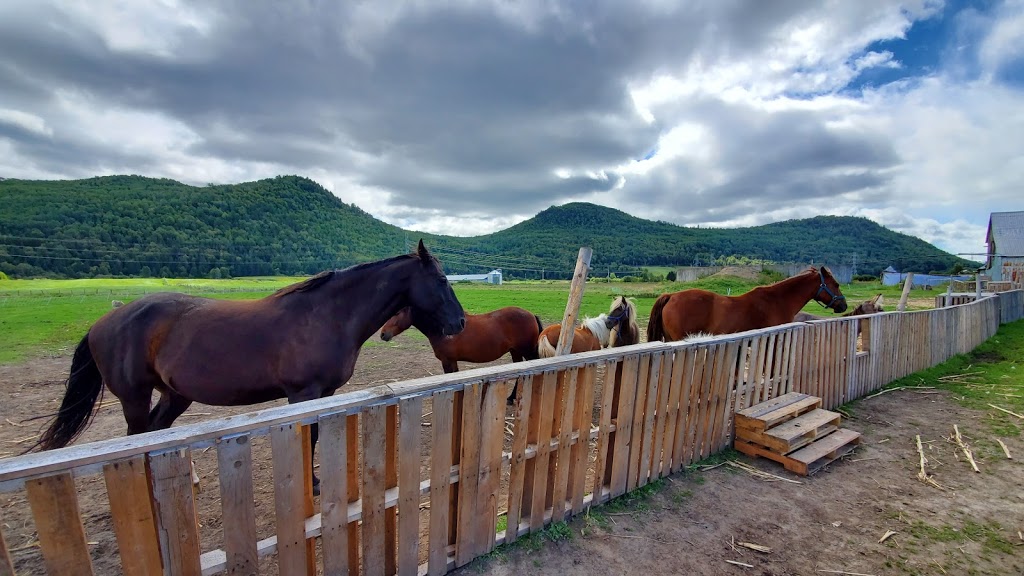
(679, 314)
(486, 338)
(300, 343)
(626, 331)
(872, 306)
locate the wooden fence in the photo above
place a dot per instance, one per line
(417, 477)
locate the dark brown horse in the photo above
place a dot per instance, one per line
(626, 331)
(487, 337)
(299, 343)
(677, 315)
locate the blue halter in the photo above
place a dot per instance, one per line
(831, 303)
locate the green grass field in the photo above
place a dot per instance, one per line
(44, 317)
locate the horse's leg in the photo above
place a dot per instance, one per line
(450, 366)
(311, 393)
(516, 356)
(167, 410)
(136, 414)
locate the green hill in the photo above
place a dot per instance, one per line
(131, 225)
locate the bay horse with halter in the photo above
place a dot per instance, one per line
(487, 337)
(676, 315)
(299, 343)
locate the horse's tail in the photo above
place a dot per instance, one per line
(544, 347)
(540, 325)
(84, 387)
(655, 330)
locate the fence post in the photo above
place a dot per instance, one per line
(906, 292)
(572, 309)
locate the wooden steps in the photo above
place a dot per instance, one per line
(793, 430)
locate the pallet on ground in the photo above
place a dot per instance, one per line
(793, 430)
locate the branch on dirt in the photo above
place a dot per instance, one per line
(963, 446)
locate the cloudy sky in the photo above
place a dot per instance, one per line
(465, 117)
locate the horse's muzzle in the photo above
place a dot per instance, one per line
(385, 336)
(452, 329)
(838, 307)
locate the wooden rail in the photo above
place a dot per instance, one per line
(401, 497)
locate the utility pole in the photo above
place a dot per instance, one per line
(854, 263)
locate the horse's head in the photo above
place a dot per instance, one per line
(874, 305)
(435, 309)
(829, 295)
(397, 324)
(622, 312)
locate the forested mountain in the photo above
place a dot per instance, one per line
(130, 225)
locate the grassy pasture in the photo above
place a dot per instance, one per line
(42, 317)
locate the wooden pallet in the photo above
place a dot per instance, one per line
(794, 431)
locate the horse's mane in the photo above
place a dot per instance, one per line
(597, 328)
(307, 285)
(326, 276)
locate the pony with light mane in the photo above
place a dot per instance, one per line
(676, 315)
(627, 331)
(592, 334)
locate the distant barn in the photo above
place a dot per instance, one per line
(1005, 254)
(492, 277)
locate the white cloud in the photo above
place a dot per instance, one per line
(469, 117)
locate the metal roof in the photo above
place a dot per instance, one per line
(1006, 230)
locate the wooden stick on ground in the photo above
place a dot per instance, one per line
(1005, 449)
(900, 388)
(1007, 411)
(740, 564)
(963, 446)
(922, 475)
(759, 473)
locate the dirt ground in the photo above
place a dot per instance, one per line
(832, 521)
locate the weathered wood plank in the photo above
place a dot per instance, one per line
(6, 566)
(131, 511)
(469, 474)
(605, 437)
(391, 482)
(174, 503)
(549, 382)
(334, 493)
(410, 413)
(492, 436)
(682, 371)
(58, 524)
(518, 462)
(289, 498)
(352, 484)
(661, 458)
(583, 419)
(619, 457)
(650, 409)
(559, 474)
(440, 483)
(234, 464)
(636, 440)
(374, 484)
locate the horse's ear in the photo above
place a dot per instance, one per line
(422, 251)
(878, 300)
